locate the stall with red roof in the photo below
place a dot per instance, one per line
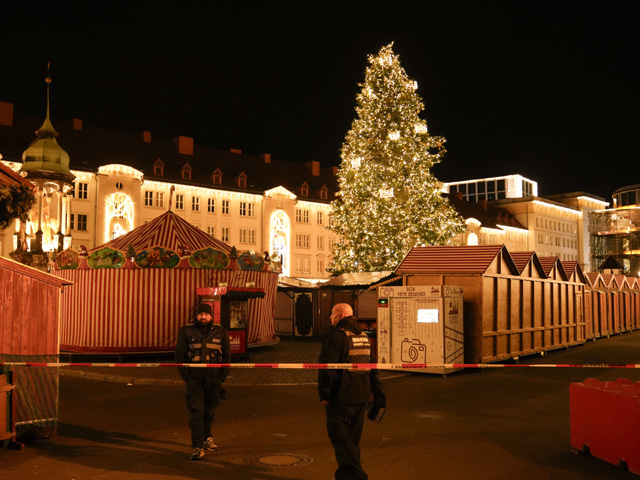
(133, 293)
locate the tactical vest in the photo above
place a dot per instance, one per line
(204, 348)
(359, 349)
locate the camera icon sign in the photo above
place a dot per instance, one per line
(413, 351)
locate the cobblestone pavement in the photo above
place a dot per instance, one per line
(288, 350)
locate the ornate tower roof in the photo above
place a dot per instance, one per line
(44, 158)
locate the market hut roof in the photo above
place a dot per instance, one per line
(458, 259)
(11, 178)
(167, 231)
(553, 268)
(359, 279)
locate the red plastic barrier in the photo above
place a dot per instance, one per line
(605, 420)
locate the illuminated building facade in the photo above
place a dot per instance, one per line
(119, 181)
(488, 225)
(557, 225)
(616, 232)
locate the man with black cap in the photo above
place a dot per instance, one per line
(203, 341)
(346, 393)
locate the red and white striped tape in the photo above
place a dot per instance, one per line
(322, 366)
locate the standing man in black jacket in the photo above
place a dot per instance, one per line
(203, 341)
(346, 393)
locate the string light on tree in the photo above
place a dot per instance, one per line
(388, 200)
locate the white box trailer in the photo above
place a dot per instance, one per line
(421, 325)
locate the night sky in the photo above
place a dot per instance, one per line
(549, 90)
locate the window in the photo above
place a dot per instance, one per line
(320, 242)
(246, 209)
(82, 222)
(320, 218)
(158, 169)
(323, 193)
(304, 190)
(186, 172)
(159, 199)
(179, 202)
(225, 207)
(242, 180)
(211, 205)
(217, 177)
(211, 231)
(302, 216)
(302, 265)
(195, 204)
(320, 266)
(330, 243)
(225, 234)
(302, 240)
(148, 199)
(247, 235)
(82, 190)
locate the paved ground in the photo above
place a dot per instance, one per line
(498, 424)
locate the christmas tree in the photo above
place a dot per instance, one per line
(388, 201)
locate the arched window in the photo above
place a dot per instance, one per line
(280, 232)
(472, 239)
(118, 215)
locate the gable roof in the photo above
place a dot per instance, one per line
(574, 271)
(610, 263)
(10, 178)
(595, 280)
(459, 259)
(167, 231)
(522, 259)
(610, 280)
(552, 265)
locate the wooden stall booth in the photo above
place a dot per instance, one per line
(296, 307)
(509, 310)
(596, 305)
(303, 308)
(625, 300)
(29, 332)
(354, 289)
(634, 304)
(132, 294)
(613, 302)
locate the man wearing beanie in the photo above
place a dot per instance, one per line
(203, 341)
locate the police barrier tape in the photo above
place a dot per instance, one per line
(322, 366)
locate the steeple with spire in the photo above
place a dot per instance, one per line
(44, 158)
(46, 164)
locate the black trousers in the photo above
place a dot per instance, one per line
(202, 398)
(344, 426)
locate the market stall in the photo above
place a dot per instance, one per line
(133, 293)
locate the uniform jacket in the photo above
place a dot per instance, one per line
(203, 344)
(347, 344)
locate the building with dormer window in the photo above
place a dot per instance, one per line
(119, 181)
